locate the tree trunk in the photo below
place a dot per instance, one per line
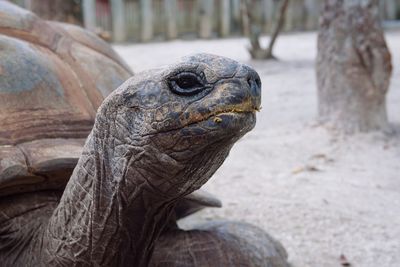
(353, 66)
(59, 10)
(254, 30)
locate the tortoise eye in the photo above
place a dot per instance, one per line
(186, 83)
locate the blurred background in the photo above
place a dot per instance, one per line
(147, 20)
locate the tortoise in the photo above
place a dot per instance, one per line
(52, 82)
(123, 193)
(56, 152)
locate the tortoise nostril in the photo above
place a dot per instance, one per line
(254, 85)
(249, 82)
(251, 77)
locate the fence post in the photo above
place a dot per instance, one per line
(146, 8)
(225, 18)
(391, 9)
(89, 14)
(20, 2)
(27, 4)
(118, 20)
(236, 9)
(236, 25)
(295, 19)
(205, 17)
(269, 9)
(312, 14)
(170, 16)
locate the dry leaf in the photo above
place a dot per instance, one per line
(298, 170)
(312, 168)
(344, 261)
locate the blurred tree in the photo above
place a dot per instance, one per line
(353, 66)
(253, 29)
(59, 10)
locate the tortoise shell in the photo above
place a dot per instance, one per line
(53, 77)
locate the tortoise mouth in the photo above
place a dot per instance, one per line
(229, 119)
(239, 114)
(216, 117)
(232, 110)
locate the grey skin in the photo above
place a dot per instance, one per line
(158, 137)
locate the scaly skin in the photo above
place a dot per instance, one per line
(157, 138)
(222, 244)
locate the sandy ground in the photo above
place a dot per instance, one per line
(321, 195)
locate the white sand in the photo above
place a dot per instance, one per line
(321, 195)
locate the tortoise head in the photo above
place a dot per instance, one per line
(177, 124)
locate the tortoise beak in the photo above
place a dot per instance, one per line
(254, 87)
(244, 97)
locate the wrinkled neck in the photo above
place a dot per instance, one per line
(109, 214)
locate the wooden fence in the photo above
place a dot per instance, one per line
(146, 20)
